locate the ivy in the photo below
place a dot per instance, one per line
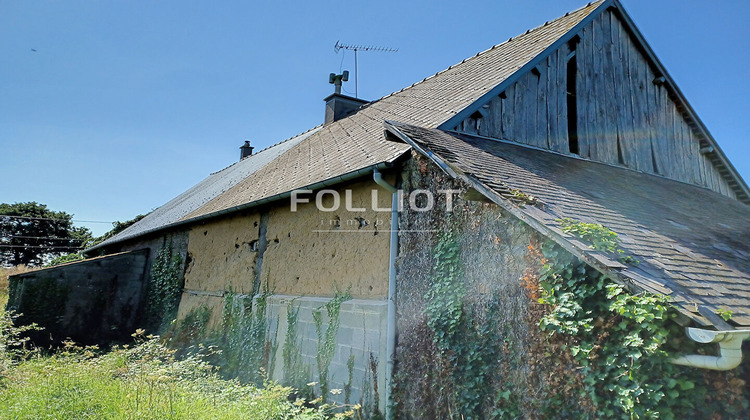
(620, 341)
(600, 237)
(164, 288)
(327, 337)
(467, 344)
(190, 329)
(724, 313)
(296, 373)
(348, 385)
(244, 341)
(444, 307)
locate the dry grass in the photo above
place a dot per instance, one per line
(5, 272)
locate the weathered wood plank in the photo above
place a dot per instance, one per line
(666, 149)
(530, 101)
(681, 159)
(519, 114)
(490, 127)
(509, 113)
(562, 105)
(636, 103)
(470, 126)
(520, 111)
(541, 106)
(586, 98)
(655, 121)
(652, 121)
(699, 159)
(597, 145)
(675, 156)
(692, 153)
(684, 156)
(609, 133)
(723, 186)
(551, 105)
(620, 39)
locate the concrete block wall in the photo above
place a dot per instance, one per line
(361, 333)
(93, 301)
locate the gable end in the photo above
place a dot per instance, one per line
(599, 92)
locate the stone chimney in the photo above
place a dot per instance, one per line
(339, 106)
(246, 150)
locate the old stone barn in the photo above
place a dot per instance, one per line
(526, 234)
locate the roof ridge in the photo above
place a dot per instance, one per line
(267, 148)
(481, 53)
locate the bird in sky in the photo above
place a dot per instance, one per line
(33, 50)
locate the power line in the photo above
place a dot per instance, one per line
(43, 237)
(48, 218)
(39, 247)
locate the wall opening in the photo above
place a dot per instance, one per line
(572, 101)
(653, 160)
(477, 117)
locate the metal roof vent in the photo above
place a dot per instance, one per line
(246, 150)
(339, 106)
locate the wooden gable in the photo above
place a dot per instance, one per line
(601, 95)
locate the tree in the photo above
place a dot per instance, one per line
(117, 227)
(32, 234)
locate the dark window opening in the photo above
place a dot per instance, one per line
(572, 104)
(573, 43)
(620, 158)
(653, 160)
(477, 117)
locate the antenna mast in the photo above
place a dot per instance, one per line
(338, 46)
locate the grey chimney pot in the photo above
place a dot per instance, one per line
(246, 150)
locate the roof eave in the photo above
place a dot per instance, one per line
(358, 173)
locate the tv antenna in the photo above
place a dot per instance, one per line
(339, 46)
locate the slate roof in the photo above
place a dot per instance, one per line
(357, 142)
(693, 244)
(214, 185)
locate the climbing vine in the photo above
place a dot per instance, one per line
(244, 336)
(191, 329)
(621, 343)
(164, 288)
(327, 337)
(296, 373)
(467, 344)
(556, 339)
(600, 237)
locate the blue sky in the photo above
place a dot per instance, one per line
(125, 104)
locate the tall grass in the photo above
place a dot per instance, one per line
(141, 381)
(144, 381)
